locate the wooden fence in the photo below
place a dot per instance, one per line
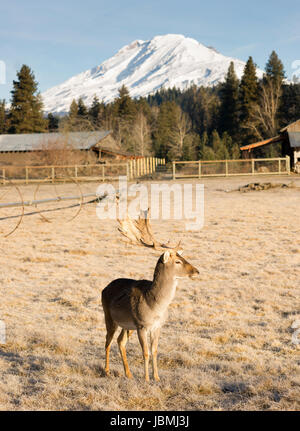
(226, 168)
(134, 168)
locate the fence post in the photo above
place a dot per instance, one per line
(144, 165)
(141, 167)
(174, 174)
(131, 169)
(253, 166)
(26, 174)
(138, 167)
(288, 164)
(279, 166)
(76, 173)
(199, 168)
(226, 167)
(127, 172)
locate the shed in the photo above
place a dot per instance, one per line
(289, 137)
(92, 147)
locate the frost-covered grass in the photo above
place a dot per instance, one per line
(226, 344)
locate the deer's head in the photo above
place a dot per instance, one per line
(176, 265)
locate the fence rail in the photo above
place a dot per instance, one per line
(134, 168)
(226, 168)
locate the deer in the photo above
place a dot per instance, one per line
(142, 305)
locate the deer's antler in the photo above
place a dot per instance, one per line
(139, 232)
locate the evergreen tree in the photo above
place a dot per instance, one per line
(290, 104)
(229, 103)
(124, 105)
(95, 109)
(26, 115)
(248, 98)
(73, 111)
(3, 118)
(52, 123)
(215, 141)
(203, 144)
(275, 69)
(164, 134)
(124, 111)
(82, 110)
(228, 143)
(248, 90)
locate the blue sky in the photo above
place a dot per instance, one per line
(59, 39)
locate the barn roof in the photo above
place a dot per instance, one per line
(292, 127)
(36, 141)
(261, 143)
(294, 138)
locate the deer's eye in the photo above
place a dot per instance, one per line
(178, 262)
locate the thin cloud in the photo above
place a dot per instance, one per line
(244, 49)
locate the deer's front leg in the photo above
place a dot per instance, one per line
(142, 334)
(154, 336)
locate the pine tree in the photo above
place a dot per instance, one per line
(215, 141)
(125, 107)
(26, 115)
(227, 142)
(73, 111)
(203, 145)
(95, 110)
(82, 109)
(265, 118)
(229, 103)
(164, 134)
(275, 69)
(248, 98)
(52, 123)
(248, 90)
(3, 118)
(290, 104)
(124, 111)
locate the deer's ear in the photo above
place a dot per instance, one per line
(166, 256)
(180, 252)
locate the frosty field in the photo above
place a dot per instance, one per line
(227, 344)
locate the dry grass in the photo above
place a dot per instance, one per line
(226, 344)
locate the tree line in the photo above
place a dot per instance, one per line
(196, 123)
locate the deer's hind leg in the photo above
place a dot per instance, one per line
(122, 340)
(111, 328)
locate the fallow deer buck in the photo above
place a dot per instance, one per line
(142, 305)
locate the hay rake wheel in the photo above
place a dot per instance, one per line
(20, 218)
(63, 178)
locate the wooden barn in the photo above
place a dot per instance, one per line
(289, 137)
(69, 148)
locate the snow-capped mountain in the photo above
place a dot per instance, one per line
(144, 67)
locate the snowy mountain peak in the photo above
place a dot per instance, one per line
(144, 67)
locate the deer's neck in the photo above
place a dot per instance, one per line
(163, 287)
